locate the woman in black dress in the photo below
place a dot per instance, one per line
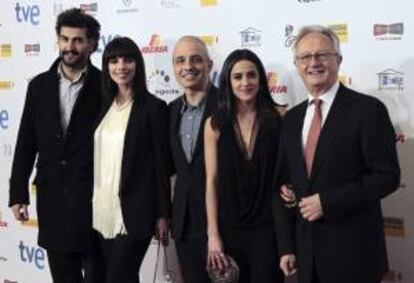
(241, 141)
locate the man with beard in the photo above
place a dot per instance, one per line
(56, 128)
(192, 66)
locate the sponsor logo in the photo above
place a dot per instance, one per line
(32, 255)
(104, 40)
(90, 8)
(7, 151)
(392, 276)
(209, 40)
(127, 7)
(390, 80)
(341, 30)
(155, 45)
(5, 50)
(250, 37)
(5, 85)
(208, 3)
(4, 119)
(2, 223)
(389, 32)
(161, 83)
(345, 80)
(27, 13)
(170, 4)
(10, 281)
(394, 227)
(32, 49)
(273, 82)
(289, 36)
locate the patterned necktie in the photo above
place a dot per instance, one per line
(313, 135)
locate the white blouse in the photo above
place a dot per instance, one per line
(108, 150)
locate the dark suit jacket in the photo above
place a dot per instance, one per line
(144, 185)
(355, 165)
(189, 207)
(64, 163)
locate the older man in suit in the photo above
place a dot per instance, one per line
(56, 128)
(192, 66)
(340, 160)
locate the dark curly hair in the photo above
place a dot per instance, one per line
(78, 19)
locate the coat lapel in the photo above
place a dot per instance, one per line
(136, 124)
(333, 124)
(210, 100)
(296, 141)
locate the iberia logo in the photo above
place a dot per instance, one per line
(155, 45)
(273, 82)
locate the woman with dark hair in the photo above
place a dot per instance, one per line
(131, 198)
(241, 141)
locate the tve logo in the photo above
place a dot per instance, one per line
(27, 13)
(4, 119)
(32, 255)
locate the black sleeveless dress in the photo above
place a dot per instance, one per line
(244, 192)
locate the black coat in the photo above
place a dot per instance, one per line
(144, 185)
(355, 165)
(189, 191)
(64, 163)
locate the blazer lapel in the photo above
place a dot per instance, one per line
(296, 141)
(333, 124)
(210, 100)
(136, 124)
(176, 130)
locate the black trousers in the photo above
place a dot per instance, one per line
(192, 255)
(255, 251)
(76, 267)
(123, 256)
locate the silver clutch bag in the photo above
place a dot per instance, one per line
(228, 275)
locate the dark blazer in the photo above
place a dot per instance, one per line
(355, 165)
(64, 163)
(144, 185)
(189, 205)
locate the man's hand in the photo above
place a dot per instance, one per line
(311, 208)
(161, 232)
(288, 264)
(20, 212)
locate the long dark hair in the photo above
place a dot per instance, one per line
(226, 106)
(123, 47)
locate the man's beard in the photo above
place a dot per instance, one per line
(78, 63)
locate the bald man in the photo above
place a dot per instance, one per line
(192, 66)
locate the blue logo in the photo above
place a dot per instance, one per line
(4, 119)
(104, 40)
(32, 255)
(27, 13)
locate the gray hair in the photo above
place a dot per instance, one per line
(195, 39)
(318, 29)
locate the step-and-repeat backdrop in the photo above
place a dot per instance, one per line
(377, 38)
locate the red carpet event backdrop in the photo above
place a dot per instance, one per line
(377, 39)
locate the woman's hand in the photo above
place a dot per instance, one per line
(288, 196)
(216, 259)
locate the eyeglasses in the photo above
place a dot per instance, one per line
(320, 57)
